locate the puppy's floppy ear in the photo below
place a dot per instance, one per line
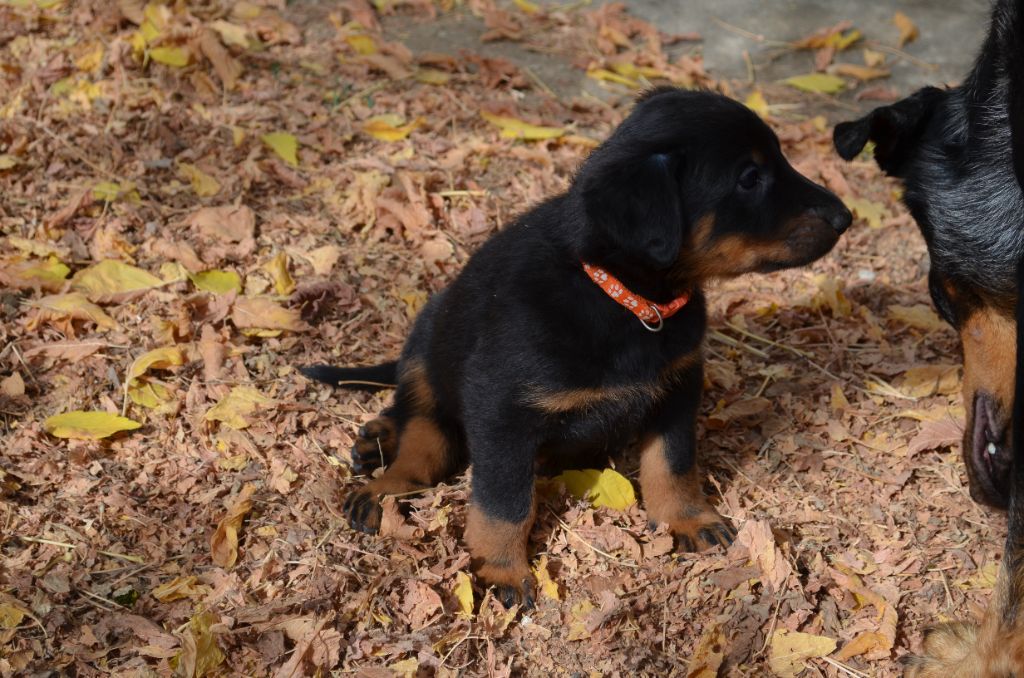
(895, 129)
(637, 206)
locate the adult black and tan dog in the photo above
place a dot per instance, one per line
(578, 329)
(956, 151)
(960, 153)
(995, 647)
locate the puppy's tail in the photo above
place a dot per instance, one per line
(370, 378)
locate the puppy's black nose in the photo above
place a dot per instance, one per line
(838, 217)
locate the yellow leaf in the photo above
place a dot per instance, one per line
(546, 585)
(841, 41)
(789, 650)
(390, 128)
(91, 60)
(31, 274)
(8, 161)
(284, 284)
(603, 488)
(527, 6)
(285, 145)
(177, 589)
(513, 128)
(610, 76)
(983, 579)
(908, 31)
(928, 380)
(830, 295)
(81, 425)
(869, 211)
(863, 73)
(76, 306)
(866, 641)
(106, 191)
(817, 82)
(110, 277)
(224, 542)
(150, 395)
(202, 183)
(235, 408)
(707, 658)
(578, 620)
(414, 301)
(216, 281)
(157, 359)
(756, 102)
(263, 314)
(231, 34)
(237, 135)
(10, 616)
(873, 59)
(407, 668)
(200, 654)
(464, 593)
(171, 56)
(918, 316)
(36, 248)
(363, 44)
(838, 399)
(429, 76)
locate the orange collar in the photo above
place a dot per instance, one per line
(648, 311)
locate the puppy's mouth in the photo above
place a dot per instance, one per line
(808, 242)
(987, 453)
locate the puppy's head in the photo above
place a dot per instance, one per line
(917, 140)
(694, 185)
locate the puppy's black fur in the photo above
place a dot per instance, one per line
(959, 152)
(523, 356)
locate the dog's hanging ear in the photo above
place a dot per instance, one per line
(637, 207)
(895, 129)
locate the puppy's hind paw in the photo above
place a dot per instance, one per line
(375, 446)
(363, 510)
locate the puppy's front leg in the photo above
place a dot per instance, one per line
(670, 477)
(503, 506)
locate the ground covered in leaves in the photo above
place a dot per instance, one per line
(196, 197)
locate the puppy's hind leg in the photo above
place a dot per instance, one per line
(426, 451)
(376, 443)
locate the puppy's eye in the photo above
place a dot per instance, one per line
(749, 177)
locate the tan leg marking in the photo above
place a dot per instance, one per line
(500, 556)
(679, 501)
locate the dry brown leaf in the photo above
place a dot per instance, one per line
(263, 313)
(789, 651)
(224, 542)
(748, 407)
(908, 31)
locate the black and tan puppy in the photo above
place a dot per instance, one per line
(956, 151)
(578, 328)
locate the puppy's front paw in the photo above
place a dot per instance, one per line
(702, 530)
(363, 510)
(512, 585)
